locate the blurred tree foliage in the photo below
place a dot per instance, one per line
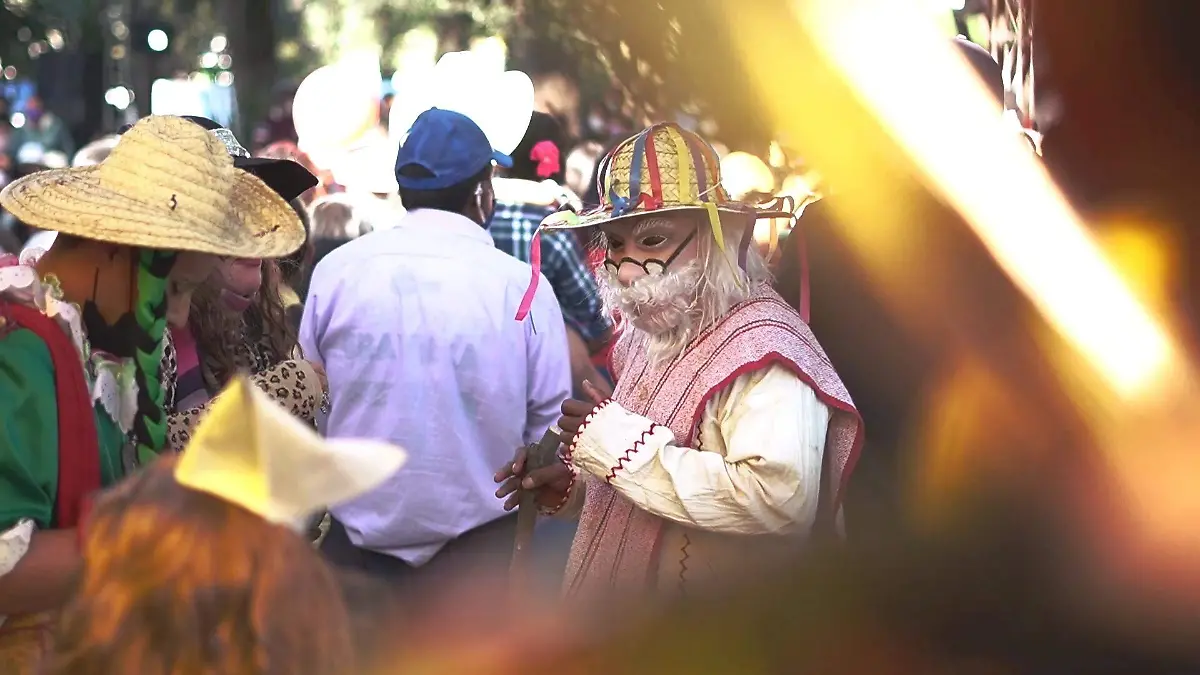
(195, 23)
(332, 28)
(24, 23)
(665, 57)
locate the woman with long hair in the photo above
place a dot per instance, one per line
(239, 321)
(241, 325)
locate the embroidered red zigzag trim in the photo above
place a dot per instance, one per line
(624, 459)
(683, 568)
(586, 421)
(570, 453)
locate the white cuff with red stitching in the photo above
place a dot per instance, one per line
(613, 442)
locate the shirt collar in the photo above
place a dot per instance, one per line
(448, 223)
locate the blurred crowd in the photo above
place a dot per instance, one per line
(445, 381)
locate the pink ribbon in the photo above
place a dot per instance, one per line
(535, 260)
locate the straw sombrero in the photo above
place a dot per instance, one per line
(168, 184)
(663, 168)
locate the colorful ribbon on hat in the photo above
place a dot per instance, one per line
(703, 195)
(535, 261)
(568, 219)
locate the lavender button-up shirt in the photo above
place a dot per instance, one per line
(415, 328)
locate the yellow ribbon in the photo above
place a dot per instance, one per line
(688, 197)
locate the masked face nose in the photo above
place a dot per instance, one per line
(629, 273)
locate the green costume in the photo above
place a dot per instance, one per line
(31, 401)
(28, 470)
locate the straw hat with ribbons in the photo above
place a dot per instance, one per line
(664, 168)
(168, 184)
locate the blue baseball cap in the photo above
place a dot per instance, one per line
(448, 145)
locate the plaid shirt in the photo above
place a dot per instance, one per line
(563, 265)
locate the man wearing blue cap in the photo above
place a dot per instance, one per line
(414, 327)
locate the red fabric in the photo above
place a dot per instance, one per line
(595, 258)
(81, 529)
(545, 153)
(535, 261)
(655, 178)
(78, 440)
(802, 256)
(603, 358)
(186, 355)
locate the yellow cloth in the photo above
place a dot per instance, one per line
(251, 452)
(288, 296)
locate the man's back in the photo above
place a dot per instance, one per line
(415, 329)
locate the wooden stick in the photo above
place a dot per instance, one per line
(521, 570)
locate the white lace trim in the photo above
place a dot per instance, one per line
(14, 544)
(113, 384)
(115, 388)
(22, 284)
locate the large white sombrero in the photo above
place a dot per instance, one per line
(333, 109)
(500, 102)
(168, 184)
(369, 166)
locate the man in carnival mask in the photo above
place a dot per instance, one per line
(729, 435)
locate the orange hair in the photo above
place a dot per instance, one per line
(180, 582)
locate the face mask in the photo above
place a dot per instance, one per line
(651, 266)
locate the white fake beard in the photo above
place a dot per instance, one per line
(664, 307)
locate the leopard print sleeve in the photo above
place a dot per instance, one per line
(292, 384)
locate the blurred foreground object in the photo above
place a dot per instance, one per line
(202, 559)
(998, 591)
